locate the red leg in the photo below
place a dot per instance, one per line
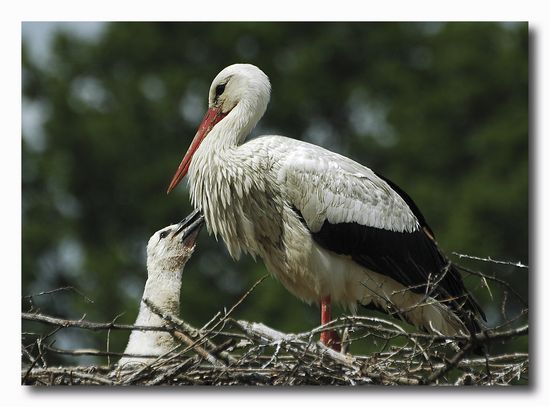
(329, 338)
(325, 318)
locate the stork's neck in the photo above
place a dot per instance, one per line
(163, 290)
(236, 126)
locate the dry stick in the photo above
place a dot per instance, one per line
(94, 326)
(504, 360)
(450, 364)
(177, 323)
(478, 339)
(510, 321)
(91, 325)
(503, 305)
(204, 335)
(357, 321)
(40, 353)
(271, 336)
(239, 302)
(398, 330)
(71, 372)
(27, 373)
(490, 335)
(93, 352)
(490, 260)
(227, 313)
(181, 336)
(246, 294)
(56, 290)
(496, 279)
(109, 337)
(394, 310)
(171, 372)
(27, 354)
(136, 375)
(171, 319)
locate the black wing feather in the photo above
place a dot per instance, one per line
(410, 203)
(410, 258)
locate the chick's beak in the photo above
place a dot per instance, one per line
(190, 227)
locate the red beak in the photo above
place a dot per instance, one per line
(212, 116)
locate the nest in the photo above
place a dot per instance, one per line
(245, 353)
(228, 352)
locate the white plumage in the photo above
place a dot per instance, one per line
(167, 252)
(326, 186)
(271, 196)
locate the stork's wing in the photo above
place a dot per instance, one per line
(351, 211)
(325, 186)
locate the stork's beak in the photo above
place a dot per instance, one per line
(190, 227)
(211, 118)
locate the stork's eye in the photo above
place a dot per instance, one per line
(163, 234)
(220, 89)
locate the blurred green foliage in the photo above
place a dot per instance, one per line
(441, 109)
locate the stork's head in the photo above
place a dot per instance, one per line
(169, 248)
(240, 92)
(239, 83)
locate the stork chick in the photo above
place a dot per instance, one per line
(167, 252)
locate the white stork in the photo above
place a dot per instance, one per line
(328, 228)
(167, 252)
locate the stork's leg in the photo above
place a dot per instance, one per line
(325, 318)
(329, 338)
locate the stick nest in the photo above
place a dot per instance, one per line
(227, 352)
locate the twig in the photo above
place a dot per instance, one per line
(56, 290)
(496, 279)
(71, 373)
(109, 337)
(94, 326)
(450, 364)
(181, 336)
(202, 336)
(245, 295)
(490, 260)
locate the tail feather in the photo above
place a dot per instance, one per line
(467, 308)
(439, 313)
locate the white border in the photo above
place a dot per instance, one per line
(112, 10)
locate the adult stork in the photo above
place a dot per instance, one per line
(329, 228)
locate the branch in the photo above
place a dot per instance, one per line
(490, 260)
(496, 279)
(182, 336)
(56, 290)
(83, 324)
(68, 374)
